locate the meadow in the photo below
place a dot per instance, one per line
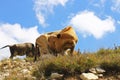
(107, 59)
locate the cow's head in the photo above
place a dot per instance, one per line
(66, 39)
(68, 33)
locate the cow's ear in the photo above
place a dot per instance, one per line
(58, 36)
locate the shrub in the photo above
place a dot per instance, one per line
(103, 51)
(67, 65)
(72, 65)
(111, 63)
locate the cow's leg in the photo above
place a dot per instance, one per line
(36, 52)
(33, 50)
(11, 57)
(12, 53)
(67, 51)
(54, 53)
(71, 51)
(27, 52)
(35, 55)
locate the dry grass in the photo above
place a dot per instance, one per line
(108, 59)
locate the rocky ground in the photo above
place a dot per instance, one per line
(16, 68)
(20, 69)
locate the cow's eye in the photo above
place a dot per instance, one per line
(58, 36)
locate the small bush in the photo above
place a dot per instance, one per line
(111, 63)
(72, 65)
(103, 51)
(67, 65)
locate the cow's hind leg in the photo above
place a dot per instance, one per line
(12, 53)
(36, 52)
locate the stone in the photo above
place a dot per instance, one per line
(56, 76)
(6, 74)
(25, 71)
(100, 75)
(118, 76)
(88, 76)
(30, 68)
(92, 70)
(99, 70)
(23, 60)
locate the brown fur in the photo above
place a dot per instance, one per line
(21, 49)
(56, 42)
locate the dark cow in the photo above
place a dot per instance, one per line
(21, 49)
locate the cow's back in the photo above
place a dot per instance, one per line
(69, 33)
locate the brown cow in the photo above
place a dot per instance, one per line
(21, 49)
(46, 43)
(57, 42)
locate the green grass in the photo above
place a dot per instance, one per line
(108, 59)
(67, 65)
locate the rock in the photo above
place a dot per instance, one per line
(93, 70)
(118, 76)
(21, 67)
(3, 75)
(99, 70)
(100, 75)
(6, 74)
(25, 71)
(22, 60)
(56, 76)
(30, 68)
(88, 76)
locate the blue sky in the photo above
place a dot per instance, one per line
(96, 22)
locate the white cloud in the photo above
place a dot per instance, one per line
(44, 7)
(118, 22)
(97, 3)
(116, 5)
(88, 24)
(15, 33)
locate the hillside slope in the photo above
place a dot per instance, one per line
(70, 67)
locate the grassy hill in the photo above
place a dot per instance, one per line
(70, 66)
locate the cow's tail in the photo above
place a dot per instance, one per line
(5, 46)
